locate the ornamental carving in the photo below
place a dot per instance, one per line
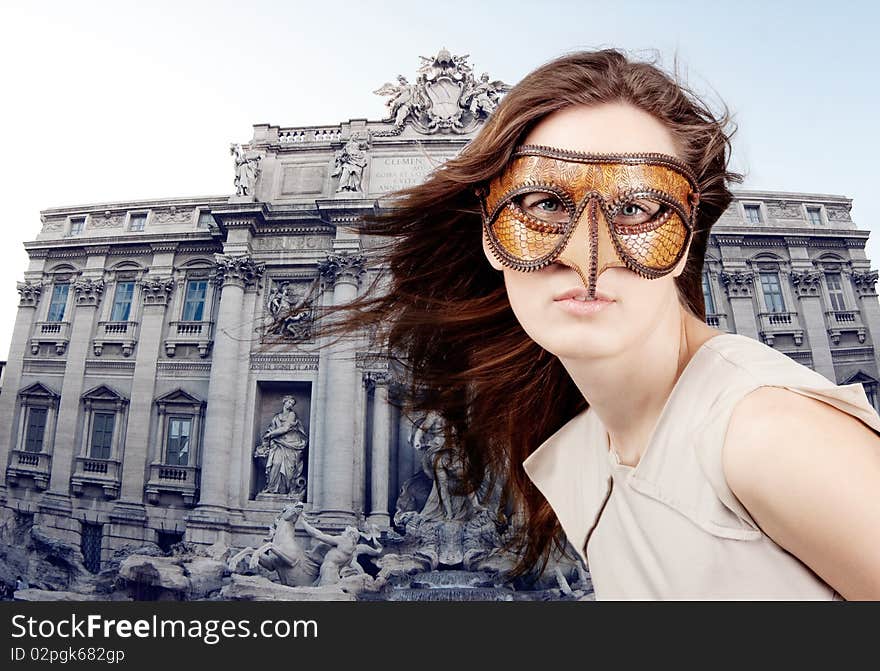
(238, 269)
(737, 283)
(290, 311)
(375, 378)
(865, 281)
(29, 292)
(156, 291)
(88, 292)
(806, 282)
(445, 97)
(173, 215)
(342, 267)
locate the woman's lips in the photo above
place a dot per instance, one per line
(576, 307)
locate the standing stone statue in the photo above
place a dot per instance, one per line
(247, 170)
(350, 163)
(283, 446)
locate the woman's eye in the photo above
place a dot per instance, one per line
(544, 207)
(639, 212)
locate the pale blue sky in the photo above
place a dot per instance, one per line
(123, 100)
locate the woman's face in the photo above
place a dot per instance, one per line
(637, 303)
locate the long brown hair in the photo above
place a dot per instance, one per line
(443, 313)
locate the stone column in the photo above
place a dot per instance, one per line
(87, 297)
(864, 283)
(27, 307)
(806, 285)
(738, 284)
(343, 272)
(155, 292)
(233, 274)
(380, 448)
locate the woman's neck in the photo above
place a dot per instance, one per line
(628, 391)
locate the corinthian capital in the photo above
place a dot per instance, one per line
(88, 292)
(240, 269)
(156, 290)
(342, 267)
(30, 293)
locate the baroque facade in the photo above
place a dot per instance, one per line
(164, 383)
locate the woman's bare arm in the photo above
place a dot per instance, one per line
(809, 475)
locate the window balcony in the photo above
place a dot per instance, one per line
(199, 334)
(774, 324)
(104, 473)
(717, 320)
(839, 321)
(35, 465)
(57, 333)
(123, 334)
(182, 480)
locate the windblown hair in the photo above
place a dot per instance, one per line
(443, 312)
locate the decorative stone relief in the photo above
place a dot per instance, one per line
(107, 220)
(29, 292)
(445, 97)
(342, 266)
(806, 282)
(350, 162)
(839, 213)
(156, 291)
(240, 269)
(173, 215)
(290, 310)
(52, 226)
(88, 292)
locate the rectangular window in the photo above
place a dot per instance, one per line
(137, 222)
(102, 435)
(36, 428)
(194, 301)
(122, 302)
(707, 295)
(76, 225)
(814, 215)
(835, 291)
(177, 453)
(753, 213)
(871, 393)
(90, 546)
(205, 219)
(58, 302)
(772, 292)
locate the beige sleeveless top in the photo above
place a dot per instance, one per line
(670, 528)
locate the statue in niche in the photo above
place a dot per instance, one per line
(247, 170)
(291, 316)
(341, 560)
(350, 163)
(282, 446)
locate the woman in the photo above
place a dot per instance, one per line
(545, 293)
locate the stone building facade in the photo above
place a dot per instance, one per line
(159, 345)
